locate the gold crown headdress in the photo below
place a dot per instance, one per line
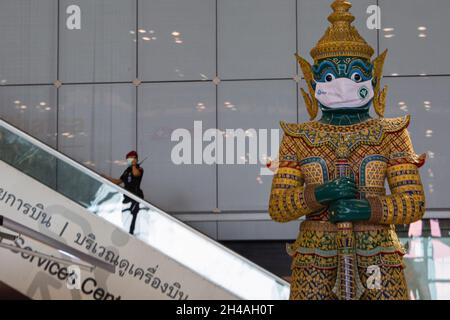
(341, 39)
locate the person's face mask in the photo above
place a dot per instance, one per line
(344, 93)
(130, 161)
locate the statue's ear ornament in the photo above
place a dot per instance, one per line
(379, 100)
(312, 105)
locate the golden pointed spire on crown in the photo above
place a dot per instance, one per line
(341, 38)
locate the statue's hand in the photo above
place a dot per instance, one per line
(348, 210)
(340, 188)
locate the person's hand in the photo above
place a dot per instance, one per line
(340, 188)
(349, 210)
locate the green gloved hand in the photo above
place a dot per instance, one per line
(340, 188)
(349, 210)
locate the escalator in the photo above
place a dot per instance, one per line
(66, 238)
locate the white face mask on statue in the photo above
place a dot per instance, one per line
(344, 93)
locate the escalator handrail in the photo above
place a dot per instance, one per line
(119, 189)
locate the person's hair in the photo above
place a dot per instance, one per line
(132, 154)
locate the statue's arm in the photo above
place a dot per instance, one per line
(290, 199)
(406, 204)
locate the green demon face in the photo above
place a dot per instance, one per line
(343, 83)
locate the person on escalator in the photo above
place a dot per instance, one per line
(131, 179)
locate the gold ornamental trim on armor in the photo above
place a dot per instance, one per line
(376, 209)
(310, 198)
(326, 226)
(389, 125)
(345, 139)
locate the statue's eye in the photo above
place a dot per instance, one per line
(356, 77)
(329, 77)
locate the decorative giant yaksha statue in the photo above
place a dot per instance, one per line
(333, 172)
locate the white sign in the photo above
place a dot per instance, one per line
(142, 272)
